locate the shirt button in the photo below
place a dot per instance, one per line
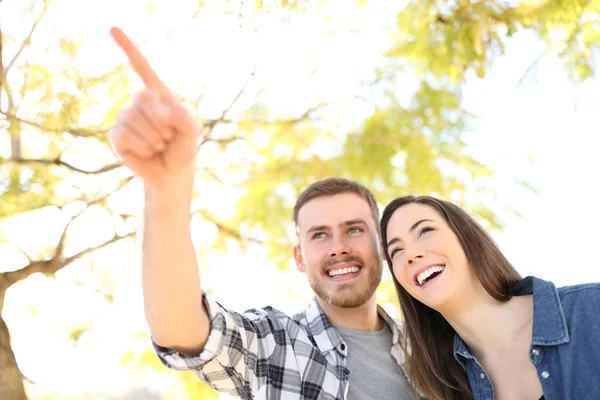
(535, 351)
(482, 375)
(545, 374)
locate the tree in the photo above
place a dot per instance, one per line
(262, 149)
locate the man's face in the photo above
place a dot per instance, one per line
(339, 249)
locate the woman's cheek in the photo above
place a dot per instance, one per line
(399, 274)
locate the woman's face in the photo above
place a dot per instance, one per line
(427, 257)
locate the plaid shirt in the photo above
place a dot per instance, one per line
(265, 354)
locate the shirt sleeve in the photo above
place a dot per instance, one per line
(236, 351)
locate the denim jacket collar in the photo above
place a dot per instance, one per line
(549, 324)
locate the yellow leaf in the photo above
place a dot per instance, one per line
(69, 47)
(150, 8)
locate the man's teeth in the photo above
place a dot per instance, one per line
(342, 271)
(422, 277)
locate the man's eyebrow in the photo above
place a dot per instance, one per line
(345, 223)
(317, 228)
(411, 229)
(353, 222)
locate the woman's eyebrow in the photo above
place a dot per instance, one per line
(411, 229)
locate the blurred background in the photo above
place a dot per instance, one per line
(490, 104)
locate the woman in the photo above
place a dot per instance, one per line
(476, 329)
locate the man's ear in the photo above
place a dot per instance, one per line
(298, 257)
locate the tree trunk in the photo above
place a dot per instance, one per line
(11, 380)
(1, 67)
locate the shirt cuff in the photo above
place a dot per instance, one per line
(214, 345)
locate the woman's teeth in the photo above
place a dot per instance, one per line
(423, 276)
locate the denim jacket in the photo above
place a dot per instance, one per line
(565, 346)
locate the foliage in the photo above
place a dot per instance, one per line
(261, 150)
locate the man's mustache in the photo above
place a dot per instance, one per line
(346, 259)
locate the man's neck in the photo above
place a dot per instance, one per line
(364, 317)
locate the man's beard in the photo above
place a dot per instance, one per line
(344, 298)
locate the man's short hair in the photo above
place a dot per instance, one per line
(332, 186)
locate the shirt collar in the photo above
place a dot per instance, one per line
(549, 323)
(325, 335)
(320, 328)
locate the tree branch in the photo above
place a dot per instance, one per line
(59, 162)
(63, 237)
(531, 68)
(16, 248)
(71, 131)
(55, 264)
(211, 124)
(1, 67)
(289, 121)
(114, 239)
(28, 39)
(237, 96)
(211, 174)
(106, 195)
(229, 231)
(226, 140)
(97, 200)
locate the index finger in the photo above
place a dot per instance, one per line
(139, 63)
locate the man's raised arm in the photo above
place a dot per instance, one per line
(158, 140)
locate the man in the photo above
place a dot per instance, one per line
(343, 346)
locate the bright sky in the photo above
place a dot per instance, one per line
(545, 118)
(554, 122)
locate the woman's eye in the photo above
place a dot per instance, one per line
(395, 251)
(425, 230)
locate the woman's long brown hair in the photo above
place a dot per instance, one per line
(430, 364)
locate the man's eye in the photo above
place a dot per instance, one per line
(355, 229)
(395, 251)
(318, 235)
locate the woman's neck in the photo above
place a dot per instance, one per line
(488, 326)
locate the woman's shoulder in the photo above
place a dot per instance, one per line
(526, 286)
(579, 305)
(580, 302)
(584, 290)
(582, 298)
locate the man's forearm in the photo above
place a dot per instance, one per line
(171, 280)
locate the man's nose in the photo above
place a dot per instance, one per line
(339, 248)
